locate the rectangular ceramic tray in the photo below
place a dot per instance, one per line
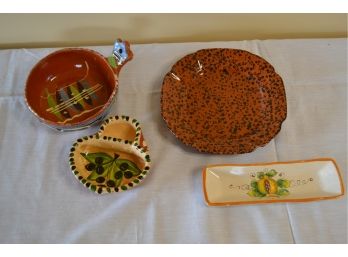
(293, 181)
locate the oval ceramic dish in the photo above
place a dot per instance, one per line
(114, 159)
(294, 181)
(223, 101)
(74, 87)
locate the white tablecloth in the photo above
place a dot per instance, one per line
(42, 202)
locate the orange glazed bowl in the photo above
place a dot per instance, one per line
(73, 88)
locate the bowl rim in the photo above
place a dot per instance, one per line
(88, 120)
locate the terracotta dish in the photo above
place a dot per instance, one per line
(73, 88)
(224, 101)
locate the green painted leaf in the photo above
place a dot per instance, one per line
(111, 166)
(131, 166)
(254, 184)
(104, 160)
(92, 156)
(260, 175)
(51, 101)
(255, 193)
(118, 182)
(283, 183)
(110, 173)
(75, 93)
(110, 170)
(259, 194)
(283, 192)
(251, 193)
(271, 173)
(94, 175)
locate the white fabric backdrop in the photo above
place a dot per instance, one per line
(41, 201)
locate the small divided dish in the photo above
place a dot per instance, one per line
(114, 159)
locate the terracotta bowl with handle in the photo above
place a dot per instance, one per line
(73, 88)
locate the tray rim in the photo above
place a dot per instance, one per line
(298, 200)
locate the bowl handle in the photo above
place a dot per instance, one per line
(121, 54)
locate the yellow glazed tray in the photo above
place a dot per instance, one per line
(293, 181)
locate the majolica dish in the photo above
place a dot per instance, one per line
(294, 181)
(224, 101)
(74, 87)
(115, 159)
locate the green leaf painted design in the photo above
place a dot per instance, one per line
(283, 183)
(111, 175)
(255, 193)
(119, 180)
(92, 156)
(131, 166)
(94, 175)
(254, 184)
(112, 169)
(283, 192)
(75, 93)
(51, 101)
(271, 173)
(260, 175)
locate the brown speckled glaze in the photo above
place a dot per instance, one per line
(224, 101)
